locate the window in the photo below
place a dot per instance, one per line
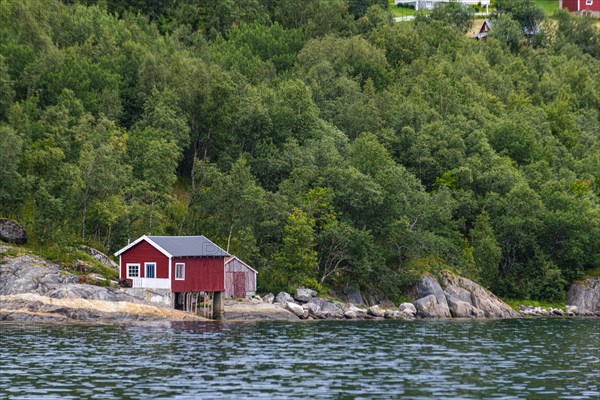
(589, 2)
(150, 270)
(133, 270)
(179, 271)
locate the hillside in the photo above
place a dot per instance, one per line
(324, 145)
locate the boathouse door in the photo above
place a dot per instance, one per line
(239, 284)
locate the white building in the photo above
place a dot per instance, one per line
(430, 4)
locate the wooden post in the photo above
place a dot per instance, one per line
(218, 304)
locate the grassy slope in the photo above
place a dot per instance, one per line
(400, 11)
(516, 303)
(66, 256)
(549, 6)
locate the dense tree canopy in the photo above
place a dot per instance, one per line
(322, 143)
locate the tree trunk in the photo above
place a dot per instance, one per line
(229, 237)
(193, 174)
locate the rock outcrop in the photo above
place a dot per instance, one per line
(376, 311)
(269, 298)
(408, 308)
(12, 232)
(352, 295)
(459, 298)
(34, 289)
(475, 295)
(429, 307)
(304, 295)
(100, 257)
(283, 298)
(585, 295)
(247, 311)
(296, 309)
(432, 300)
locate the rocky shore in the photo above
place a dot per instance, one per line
(444, 296)
(459, 298)
(33, 289)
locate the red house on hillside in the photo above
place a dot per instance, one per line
(581, 6)
(191, 267)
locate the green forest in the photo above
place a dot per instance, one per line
(317, 140)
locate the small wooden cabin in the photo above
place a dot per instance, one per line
(191, 267)
(484, 30)
(240, 279)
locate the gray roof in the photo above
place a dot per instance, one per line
(188, 246)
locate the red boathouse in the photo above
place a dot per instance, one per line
(581, 6)
(191, 267)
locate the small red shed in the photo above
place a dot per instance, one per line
(484, 30)
(240, 279)
(186, 265)
(581, 6)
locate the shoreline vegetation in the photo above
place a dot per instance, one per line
(325, 145)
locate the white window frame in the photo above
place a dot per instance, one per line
(128, 270)
(589, 2)
(182, 278)
(146, 264)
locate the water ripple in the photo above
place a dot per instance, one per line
(498, 359)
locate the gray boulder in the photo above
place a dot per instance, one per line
(283, 298)
(430, 307)
(100, 257)
(376, 311)
(376, 297)
(269, 298)
(429, 285)
(393, 314)
(296, 309)
(572, 310)
(358, 312)
(12, 232)
(323, 304)
(408, 308)
(313, 309)
(406, 315)
(351, 295)
(328, 309)
(350, 314)
(585, 295)
(462, 309)
(465, 290)
(303, 295)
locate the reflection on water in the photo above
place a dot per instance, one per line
(496, 359)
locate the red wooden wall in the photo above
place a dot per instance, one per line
(201, 274)
(141, 253)
(572, 5)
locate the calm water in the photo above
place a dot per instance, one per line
(511, 359)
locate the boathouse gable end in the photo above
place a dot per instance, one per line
(240, 279)
(142, 254)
